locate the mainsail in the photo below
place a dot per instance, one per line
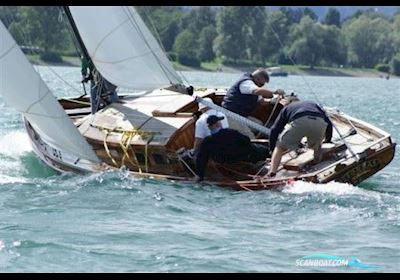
(23, 88)
(122, 48)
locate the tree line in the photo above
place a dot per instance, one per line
(237, 35)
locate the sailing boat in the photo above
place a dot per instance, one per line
(146, 133)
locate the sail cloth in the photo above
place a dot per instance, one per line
(122, 47)
(23, 88)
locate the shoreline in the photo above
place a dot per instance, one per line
(292, 70)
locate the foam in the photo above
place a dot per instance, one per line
(299, 187)
(14, 144)
(5, 179)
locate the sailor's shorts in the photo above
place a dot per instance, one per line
(313, 128)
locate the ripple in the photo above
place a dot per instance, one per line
(112, 221)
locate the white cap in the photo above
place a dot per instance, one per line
(202, 106)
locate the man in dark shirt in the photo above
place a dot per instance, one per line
(297, 120)
(226, 145)
(245, 95)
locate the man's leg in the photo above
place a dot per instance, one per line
(317, 154)
(315, 132)
(93, 97)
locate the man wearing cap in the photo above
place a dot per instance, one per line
(202, 130)
(226, 145)
(242, 98)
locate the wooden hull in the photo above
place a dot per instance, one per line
(158, 158)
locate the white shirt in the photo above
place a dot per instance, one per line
(247, 87)
(202, 129)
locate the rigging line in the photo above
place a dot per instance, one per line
(8, 51)
(290, 57)
(315, 95)
(107, 35)
(29, 41)
(160, 42)
(72, 35)
(62, 79)
(136, 25)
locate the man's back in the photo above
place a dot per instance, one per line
(236, 101)
(227, 142)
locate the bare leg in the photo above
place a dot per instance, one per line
(276, 159)
(317, 154)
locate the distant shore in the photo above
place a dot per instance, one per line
(212, 67)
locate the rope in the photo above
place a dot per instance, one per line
(272, 113)
(107, 150)
(124, 146)
(75, 101)
(124, 142)
(187, 165)
(234, 116)
(312, 91)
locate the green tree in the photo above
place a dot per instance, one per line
(292, 16)
(183, 47)
(230, 42)
(8, 15)
(370, 41)
(396, 32)
(276, 35)
(254, 30)
(308, 12)
(334, 47)
(43, 27)
(308, 46)
(163, 22)
(198, 18)
(332, 17)
(395, 64)
(206, 39)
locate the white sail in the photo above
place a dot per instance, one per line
(122, 47)
(23, 88)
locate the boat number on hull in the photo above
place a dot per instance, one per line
(358, 171)
(57, 154)
(50, 150)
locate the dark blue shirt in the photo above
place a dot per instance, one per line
(228, 145)
(235, 101)
(294, 111)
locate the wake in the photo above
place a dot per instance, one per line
(15, 144)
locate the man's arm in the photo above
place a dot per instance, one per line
(249, 87)
(263, 92)
(84, 67)
(202, 158)
(197, 143)
(277, 128)
(328, 133)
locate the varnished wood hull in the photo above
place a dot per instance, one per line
(162, 161)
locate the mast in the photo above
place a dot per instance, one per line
(76, 32)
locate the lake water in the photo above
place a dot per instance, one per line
(109, 222)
